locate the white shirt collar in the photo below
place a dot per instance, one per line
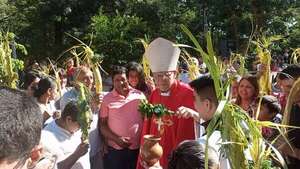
(165, 93)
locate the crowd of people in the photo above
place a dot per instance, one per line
(39, 126)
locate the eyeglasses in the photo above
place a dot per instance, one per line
(160, 75)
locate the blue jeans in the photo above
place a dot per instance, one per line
(121, 159)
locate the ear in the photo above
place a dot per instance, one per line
(49, 91)
(207, 105)
(35, 153)
(68, 118)
(210, 106)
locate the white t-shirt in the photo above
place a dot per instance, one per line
(58, 141)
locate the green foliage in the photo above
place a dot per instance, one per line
(16, 15)
(266, 164)
(115, 31)
(239, 132)
(9, 66)
(84, 117)
(18, 65)
(41, 24)
(114, 37)
(234, 133)
(148, 110)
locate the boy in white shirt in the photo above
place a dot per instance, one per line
(206, 103)
(62, 138)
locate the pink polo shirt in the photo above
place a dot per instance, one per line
(124, 119)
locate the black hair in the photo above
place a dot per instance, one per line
(21, 123)
(71, 110)
(290, 72)
(204, 87)
(29, 77)
(134, 66)
(272, 104)
(190, 154)
(43, 86)
(117, 70)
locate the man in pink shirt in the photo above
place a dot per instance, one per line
(121, 122)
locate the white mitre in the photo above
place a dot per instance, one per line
(162, 55)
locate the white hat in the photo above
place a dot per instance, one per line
(162, 55)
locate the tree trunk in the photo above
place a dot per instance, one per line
(58, 34)
(257, 14)
(236, 34)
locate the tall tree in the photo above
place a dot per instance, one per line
(41, 24)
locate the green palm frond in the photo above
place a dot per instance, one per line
(239, 132)
(209, 58)
(85, 114)
(295, 56)
(9, 66)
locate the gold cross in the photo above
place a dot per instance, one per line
(160, 123)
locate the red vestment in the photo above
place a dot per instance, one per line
(181, 129)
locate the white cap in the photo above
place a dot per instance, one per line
(162, 55)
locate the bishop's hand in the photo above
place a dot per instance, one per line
(186, 112)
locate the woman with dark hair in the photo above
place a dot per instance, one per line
(248, 91)
(136, 78)
(44, 92)
(31, 79)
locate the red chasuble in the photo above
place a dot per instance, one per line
(176, 129)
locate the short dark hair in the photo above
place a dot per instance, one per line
(117, 70)
(21, 123)
(272, 104)
(204, 87)
(71, 110)
(290, 72)
(190, 154)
